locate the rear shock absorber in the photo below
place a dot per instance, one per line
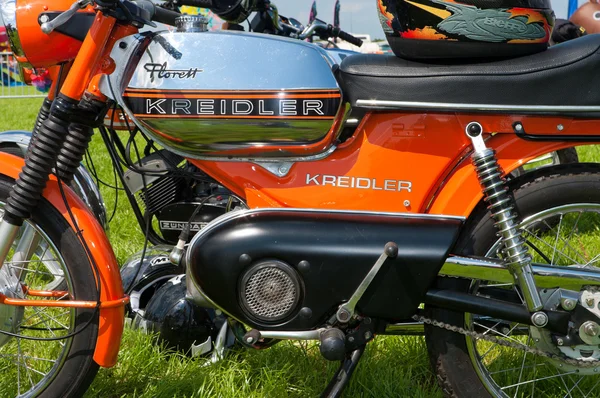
(501, 206)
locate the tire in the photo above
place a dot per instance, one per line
(539, 190)
(73, 375)
(567, 156)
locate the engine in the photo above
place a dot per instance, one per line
(177, 193)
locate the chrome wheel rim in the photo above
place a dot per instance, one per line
(28, 366)
(557, 236)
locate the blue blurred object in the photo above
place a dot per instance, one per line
(573, 5)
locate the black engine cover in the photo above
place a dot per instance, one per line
(331, 251)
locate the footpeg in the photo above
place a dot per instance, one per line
(333, 344)
(346, 311)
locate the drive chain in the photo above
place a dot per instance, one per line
(506, 343)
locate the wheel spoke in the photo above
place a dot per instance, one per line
(39, 322)
(566, 244)
(515, 368)
(565, 384)
(33, 270)
(28, 357)
(550, 246)
(573, 229)
(556, 241)
(577, 384)
(498, 333)
(534, 374)
(538, 379)
(18, 366)
(592, 389)
(523, 365)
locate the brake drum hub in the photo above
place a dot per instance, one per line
(10, 315)
(589, 299)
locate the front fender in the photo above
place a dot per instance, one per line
(110, 328)
(82, 184)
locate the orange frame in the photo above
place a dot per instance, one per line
(393, 151)
(91, 61)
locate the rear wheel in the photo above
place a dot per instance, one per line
(45, 249)
(561, 214)
(562, 156)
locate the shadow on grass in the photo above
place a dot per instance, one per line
(391, 367)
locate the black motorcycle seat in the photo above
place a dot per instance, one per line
(566, 75)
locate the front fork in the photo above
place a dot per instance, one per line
(502, 205)
(61, 135)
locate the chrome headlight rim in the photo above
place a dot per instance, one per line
(8, 9)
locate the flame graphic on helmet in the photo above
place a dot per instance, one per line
(384, 14)
(490, 25)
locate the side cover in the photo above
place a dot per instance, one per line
(331, 252)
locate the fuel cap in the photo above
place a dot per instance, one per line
(191, 23)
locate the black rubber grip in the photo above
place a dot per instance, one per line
(350, 39)
(196, 3)
(166, 17)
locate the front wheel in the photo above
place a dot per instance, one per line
(46, 247)
(560, 209)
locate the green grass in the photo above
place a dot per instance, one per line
(393, 366)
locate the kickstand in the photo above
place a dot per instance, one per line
(342, 375)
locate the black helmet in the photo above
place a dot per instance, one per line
(154, 271)
(181, 324)
(234, 11)
(466, 28)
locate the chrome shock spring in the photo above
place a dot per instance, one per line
(501, 205)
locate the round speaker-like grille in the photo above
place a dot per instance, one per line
(270, 292)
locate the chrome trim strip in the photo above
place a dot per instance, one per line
(240, 213)
(546, 276)
(400, 105)
(301, 335)
(405, 329)
(258, 160)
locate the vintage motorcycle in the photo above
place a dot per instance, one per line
(325, 236)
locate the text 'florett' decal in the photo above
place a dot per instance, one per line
(160, 71)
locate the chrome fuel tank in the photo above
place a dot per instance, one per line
(230, 95)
